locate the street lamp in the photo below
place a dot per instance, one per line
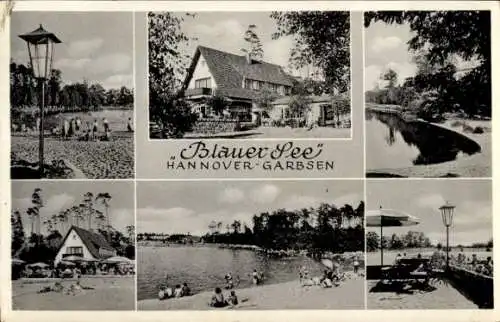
(447, 215)
(41, 53)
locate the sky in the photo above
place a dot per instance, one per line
(472, 221)
(96, 46)
(60, 195)
(225, 30)
(182, 207)
(386, 47)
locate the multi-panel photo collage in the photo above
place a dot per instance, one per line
(251, 160)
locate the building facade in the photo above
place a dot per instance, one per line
(84, 244)
(238, 79)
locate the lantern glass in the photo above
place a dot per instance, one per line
(41, 57)
(447, 214)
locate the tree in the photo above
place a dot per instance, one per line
(88, 201)
(167, 68)
(17, 239)
(255, 49)
(391, 77)
(372, 241)
(218, 104)
(438, 37)
(299, 105)
(321, 39)
(104, 198)
(264, 98)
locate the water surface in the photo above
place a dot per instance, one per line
(392, 142)
(203, 268)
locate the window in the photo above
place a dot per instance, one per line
(74, 250)
(255, 85)
(203, 83)
(248, 83)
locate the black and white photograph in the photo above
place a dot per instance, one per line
(71, 95)
(249, 75)
(73, 245)
(428, 93)
(429, 244)
(250, 245)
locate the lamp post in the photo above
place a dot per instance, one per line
(447, 215)
(41, 53)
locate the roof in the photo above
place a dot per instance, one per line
(229, 70)
(93, 241)
(40, 36)
(313, 99)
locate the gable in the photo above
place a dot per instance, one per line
(201, 71)
(74, 240)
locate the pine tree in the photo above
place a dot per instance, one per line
(17, 231)
(255, 49)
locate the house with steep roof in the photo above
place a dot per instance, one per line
(237, 78)
(85, 244)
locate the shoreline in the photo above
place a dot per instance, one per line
(476, 165)
(289, 295)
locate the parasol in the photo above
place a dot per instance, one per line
(388, 218)
(117, 259)
(17, 261)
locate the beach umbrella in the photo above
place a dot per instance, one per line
(327, 262)
(73, 258)
(388, 218)
(117, 259)
(17, 261)
(66, 263)
(39, 265)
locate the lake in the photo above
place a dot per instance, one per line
(392, 142)
(203, 268)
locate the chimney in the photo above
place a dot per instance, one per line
(249, 58)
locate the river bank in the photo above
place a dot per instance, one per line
(289, 295)
(108, 293)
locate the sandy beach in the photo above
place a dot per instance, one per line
(476, 165)
(443, 297)
(109, 293)
(290, 295)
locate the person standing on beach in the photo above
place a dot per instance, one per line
(94, 129)
(105, 124)
(130, 127)
(229, 281)
(356, 265)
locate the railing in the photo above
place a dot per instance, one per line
(190, 92)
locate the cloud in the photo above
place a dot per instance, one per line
(265, 194)
(223, 30)
(122, 217)
(231, 195)
(115, 63)
(373, 73)
(78, 64)
(431, 201)
(381, 44)
(277, 51)
(84, 48)
(117, 81)
(352, 199)
(296, 202)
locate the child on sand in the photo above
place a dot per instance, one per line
(233, 299)
(186, 291)
(356, 265)
(218, 299)
(178, 291)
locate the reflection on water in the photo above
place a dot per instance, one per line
(203, 268)
(395, 143)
